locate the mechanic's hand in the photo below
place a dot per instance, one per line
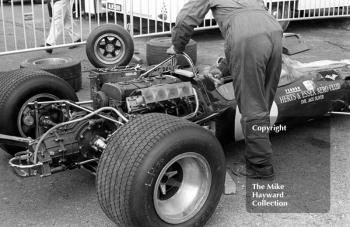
(215, 75)
(171, 50)
(215, 72)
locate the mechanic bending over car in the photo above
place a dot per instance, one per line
(253, 50)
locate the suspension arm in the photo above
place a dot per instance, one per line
(16, 141)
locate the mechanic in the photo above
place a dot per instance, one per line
(253, 50)
(62, 22)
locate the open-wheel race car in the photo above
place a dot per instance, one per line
(153, 136)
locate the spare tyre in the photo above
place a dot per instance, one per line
(62, 66)
(156, 51)
(109, 45)
(18, 88)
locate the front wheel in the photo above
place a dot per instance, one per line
(160, 170)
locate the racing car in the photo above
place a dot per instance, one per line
(152, 135)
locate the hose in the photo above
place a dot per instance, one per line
(66, 123)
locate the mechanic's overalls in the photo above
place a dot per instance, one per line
(253, 49)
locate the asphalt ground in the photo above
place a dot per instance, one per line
(301, 153)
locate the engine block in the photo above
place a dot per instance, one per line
(163, 93)
(158, 94)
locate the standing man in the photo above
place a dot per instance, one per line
(62, 22)
(253, 49)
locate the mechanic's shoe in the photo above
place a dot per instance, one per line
(47, 50)
(75, 46)
(253, 172)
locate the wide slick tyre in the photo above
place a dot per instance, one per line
(18, 88)
(109, 45)
(160, 170)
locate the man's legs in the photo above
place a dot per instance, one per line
(70, 26)
(255, 81)
(274, 67)
(57, 23)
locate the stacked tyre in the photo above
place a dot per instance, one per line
(64, 67)
(156, 51)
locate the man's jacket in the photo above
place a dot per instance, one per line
(194, 11)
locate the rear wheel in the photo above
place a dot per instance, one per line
(21, 87)
(160, 170)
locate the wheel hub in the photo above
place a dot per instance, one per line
(182, 188)
(110, 48)
(170, 182)
(28, 120)
(28, 123)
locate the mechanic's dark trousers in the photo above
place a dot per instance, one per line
(254, 51)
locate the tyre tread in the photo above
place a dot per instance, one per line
(125, 153)
(10, 81)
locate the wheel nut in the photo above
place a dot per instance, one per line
(28, 120)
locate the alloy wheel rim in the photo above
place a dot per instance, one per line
(109, 48)
(182, 188)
